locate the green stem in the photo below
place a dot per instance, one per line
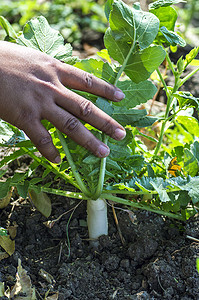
(162, 80)
(68, 194)
(170, 97)
(188, 76)
(105, 137)
(125, 63)
(81, 196)
(76, 174)
(108, 196)
(140, 206)
(170, 64)
(101, 173)
(51, 167)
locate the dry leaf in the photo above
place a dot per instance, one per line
(49, 224)
(45, 275)
(7, 244)
(22, 285)
(12, 230)
(6, 200)
(3, 255)
(2, 289)
(42, 202)
(52, 297)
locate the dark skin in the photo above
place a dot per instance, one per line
(35, 86)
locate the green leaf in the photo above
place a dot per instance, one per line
(108, 7)
(118, 152)
(167, 16)
(2, 172)
(161, 191)
(122, 186)
(180, 65)
(144, 183)
(130, 27)
(104, 105)
(190, 124)
(172, 37)
(41, 201)
(136, 93)
(195, 150)
(4, 188)
(145, 122)
(97, 68)
(18, 177)
(197, 264)
(190, 56)
(186, 99)
(22, 189)
(136, 162)
(192, 186)
(129, 24)
(8, 28)
(91, 159)
(9, 134)
(140, 64)
(3, 232)
(128, 116)
(111, 164)
(122, 22)
(190, 163)
(163, 3)
(37, 34)
(7, 159)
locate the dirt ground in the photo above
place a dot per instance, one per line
(155, 261)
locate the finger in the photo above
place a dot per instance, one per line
(73, 128)
(43, 141)
(75, 78)
(90, 113)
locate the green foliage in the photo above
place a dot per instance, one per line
(3, 232)
(37, 34)
(134, 40)
(197, 264)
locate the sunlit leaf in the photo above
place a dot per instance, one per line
(37, 34)
(167, 16)
(140, 64)
(197, 264)
(23, 285)
(97, 68)
(190, 123)
(190, 56)
(129, 24)
(3, 232)
(8, 28)
(190, 163)
(163, 3)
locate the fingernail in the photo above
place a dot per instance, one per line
(57, 160)
(119, 134)
(103, 151)
(119, 95)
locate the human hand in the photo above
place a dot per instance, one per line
(34, 87)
